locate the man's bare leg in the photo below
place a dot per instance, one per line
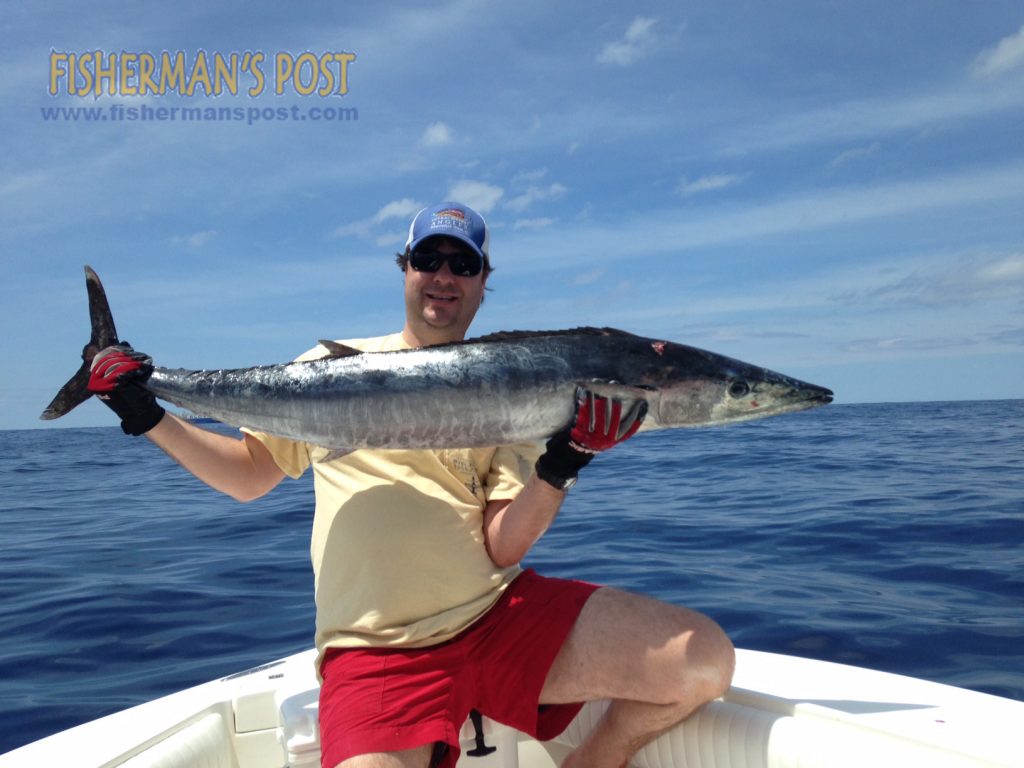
(657, 662)
(409, 758)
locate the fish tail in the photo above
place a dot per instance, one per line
(104, 334)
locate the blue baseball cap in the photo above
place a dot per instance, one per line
(450, 220)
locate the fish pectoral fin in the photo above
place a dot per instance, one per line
(335, 349)
(617, 389)
(337, 453)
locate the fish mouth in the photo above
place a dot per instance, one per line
(817, 397)
(824, 397)
(808, 396)
(795, 392)
(803, 401)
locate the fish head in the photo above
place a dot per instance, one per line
(696, 387)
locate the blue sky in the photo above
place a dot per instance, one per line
(832, 190)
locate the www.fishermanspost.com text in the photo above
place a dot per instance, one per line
(250, 115)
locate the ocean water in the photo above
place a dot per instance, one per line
(888, 536)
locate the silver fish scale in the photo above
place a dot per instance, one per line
(462, 396)
(481, 392)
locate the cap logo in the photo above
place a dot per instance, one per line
(450, 218)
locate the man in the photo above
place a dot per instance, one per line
(423, 612)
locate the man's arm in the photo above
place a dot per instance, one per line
(241, 468)
(512, 527)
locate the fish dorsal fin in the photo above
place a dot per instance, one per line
(336, 349)
(513, 335)
(337, 453)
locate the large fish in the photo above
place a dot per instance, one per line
(493, 390)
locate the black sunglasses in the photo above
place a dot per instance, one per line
(463, 263)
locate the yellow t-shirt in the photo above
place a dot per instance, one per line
(397, 545)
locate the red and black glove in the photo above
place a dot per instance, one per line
(599, 424)
(117, 377)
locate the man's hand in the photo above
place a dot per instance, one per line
(117, 376)
(599, 424)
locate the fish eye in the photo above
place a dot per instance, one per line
(739, 389)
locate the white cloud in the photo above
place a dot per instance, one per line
(535, 194)
(476, 194)
(867, 119)
(405, 208)
(392, 240)
(359, 228)
(940, 282)
(14, 184)
(196, 239)
(590, 277)
(681, 229)
(638, 41)
(855, 154)
(710, 183)
(529, 177)
(538, 223)
(1004, 56)
(1010, 269)
(436, 135)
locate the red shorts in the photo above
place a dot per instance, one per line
(387, 700)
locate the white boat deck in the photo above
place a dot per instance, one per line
(782, 712)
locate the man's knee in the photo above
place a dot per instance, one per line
(706, 662)
(721, 662)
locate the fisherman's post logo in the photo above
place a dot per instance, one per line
(137, 76)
